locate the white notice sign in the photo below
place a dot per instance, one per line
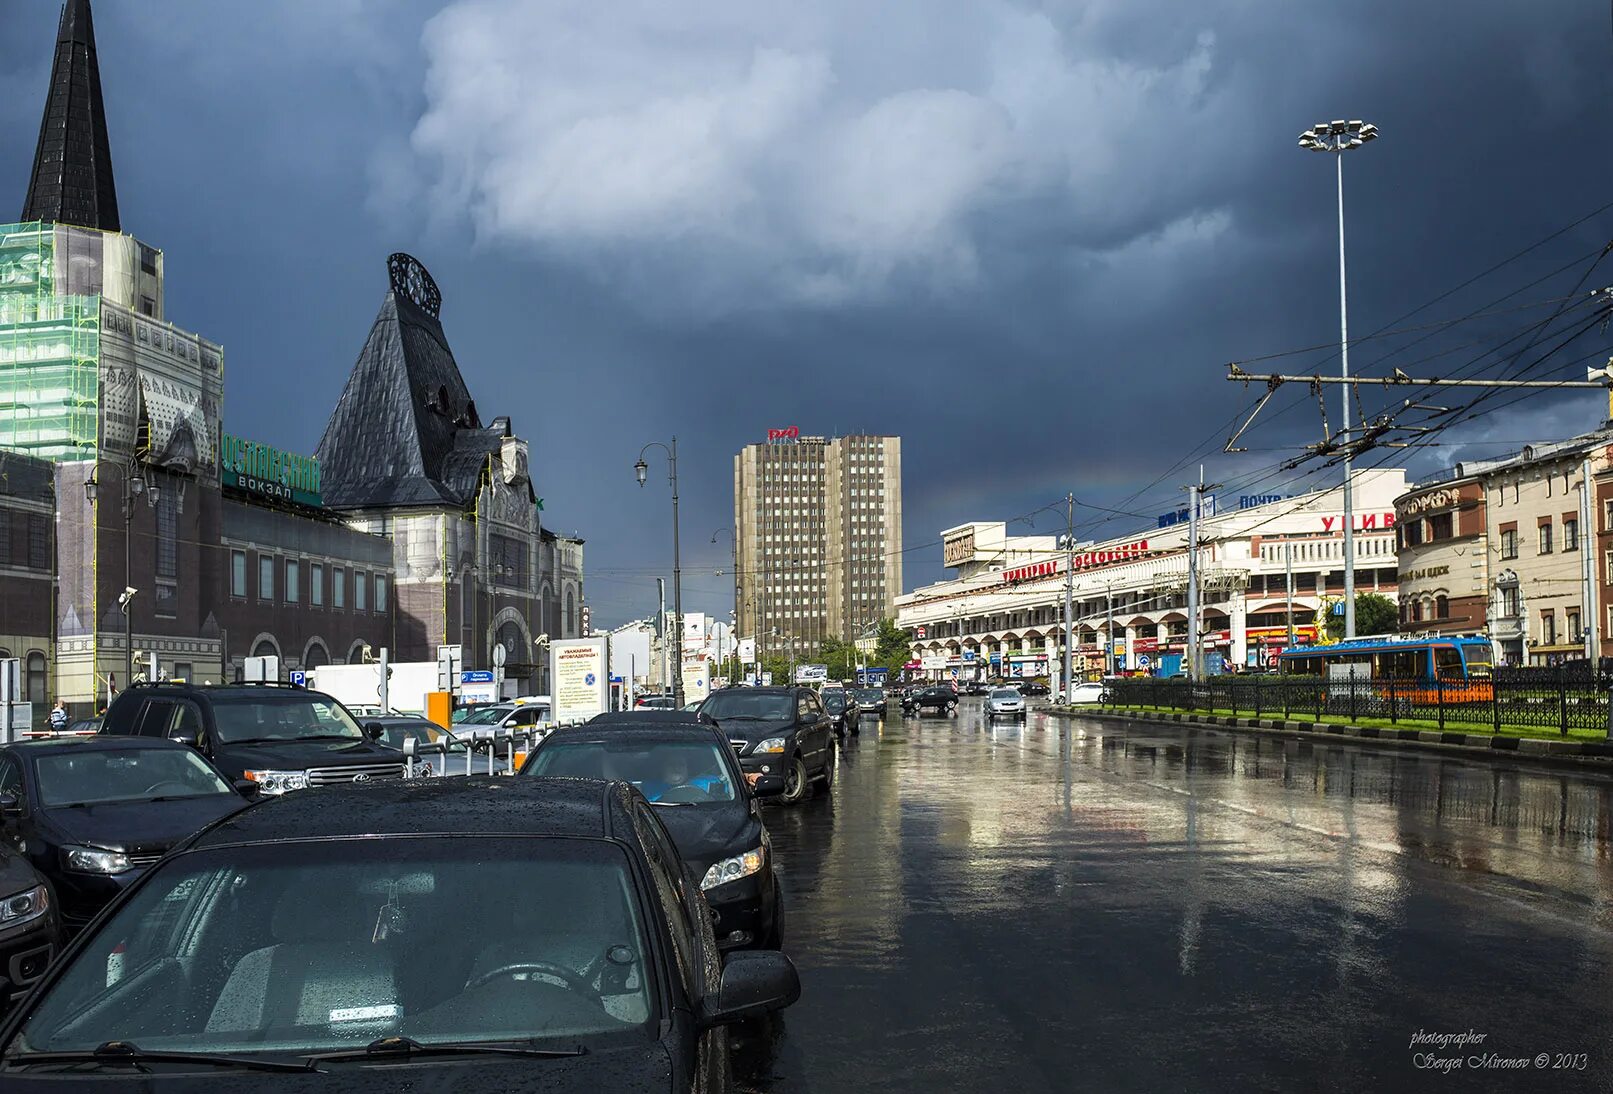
(581, 680)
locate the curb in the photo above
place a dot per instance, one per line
(1539, 749)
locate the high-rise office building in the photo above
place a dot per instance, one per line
(817, 538)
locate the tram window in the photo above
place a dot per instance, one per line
(1448, 660)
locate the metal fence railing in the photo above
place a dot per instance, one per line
(1564, 700)
(499, 750)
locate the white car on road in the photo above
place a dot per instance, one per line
(1087, 693)
(1005, 703)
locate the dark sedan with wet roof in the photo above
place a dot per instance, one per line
(688, 772)
(91, 813)
(475, 935)
(777, 731)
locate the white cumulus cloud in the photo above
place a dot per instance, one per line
(763, 152)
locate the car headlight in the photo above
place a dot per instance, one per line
(732, 869)
(93, 860)
(24, 907)
(772, 744)
(278, 782)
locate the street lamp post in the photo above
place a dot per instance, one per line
(1338, 137)
(641, 469)
(134, 486)
(734, 574)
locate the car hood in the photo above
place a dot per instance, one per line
(297, 755)
(753, 731)
(16, 873)
(708, 833)
(626, 1069)
(141, 825)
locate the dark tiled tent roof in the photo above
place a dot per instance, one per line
(405, 431)
(72, 178)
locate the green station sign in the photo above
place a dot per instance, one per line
(269, 472)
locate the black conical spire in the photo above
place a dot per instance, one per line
(72, 179)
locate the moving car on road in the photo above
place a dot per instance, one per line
(473, 935)
(777, 731)
(871, 701)
(937, 697)
(843, 711)
(655, 702)
(92, 813)
(275, 735)
(689, 773)
(1005, 703)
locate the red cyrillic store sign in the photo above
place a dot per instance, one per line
(1082, 561)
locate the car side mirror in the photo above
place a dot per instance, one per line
(766, 786)
(754, 982)
(10, 805)
(375, 731)
(195, 740)
(246, 788)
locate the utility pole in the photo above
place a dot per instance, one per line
(1587, 617)
(1069, 591)
(1109, 641)
(1288, 563)
(1194, 653)
(660, 632)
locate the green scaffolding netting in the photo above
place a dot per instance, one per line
(49, 351)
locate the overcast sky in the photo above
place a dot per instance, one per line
(1026, 237)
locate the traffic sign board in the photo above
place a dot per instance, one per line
(476, 676)
(298, 678)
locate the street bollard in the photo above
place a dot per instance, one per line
(409, 745)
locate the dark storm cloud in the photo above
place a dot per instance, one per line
(1024, 236)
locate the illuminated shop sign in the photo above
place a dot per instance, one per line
(790, 434)
(268, 472)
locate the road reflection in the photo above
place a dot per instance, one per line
(1028, 906)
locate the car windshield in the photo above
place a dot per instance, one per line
(94, 776)
(486, 716)
(743, 703)
(666, 772)
(1004, 693)
(871, 695)
(302, 947)
(834, 700)
(270, 716)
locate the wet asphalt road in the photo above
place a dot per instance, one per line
(1079, 904)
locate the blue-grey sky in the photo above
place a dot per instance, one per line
(1025, 236)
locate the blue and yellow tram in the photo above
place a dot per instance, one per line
(1448, 668)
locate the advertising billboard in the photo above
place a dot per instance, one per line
(811, 674)
(579, 669)
(696, 679)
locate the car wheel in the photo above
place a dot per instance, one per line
(828, 775)
(797, 787)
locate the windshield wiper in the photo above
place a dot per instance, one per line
(408, 1046)
(114, 1053)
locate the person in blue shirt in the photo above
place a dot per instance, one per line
(675, 772)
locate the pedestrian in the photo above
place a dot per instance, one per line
(58, 717)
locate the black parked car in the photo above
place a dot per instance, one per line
(845, 714)
(777, 731)
(1034, 687)
(341, 934)
(93, 812)
(29, 928)
(277, 736)
(938, 697)
(690, 774)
